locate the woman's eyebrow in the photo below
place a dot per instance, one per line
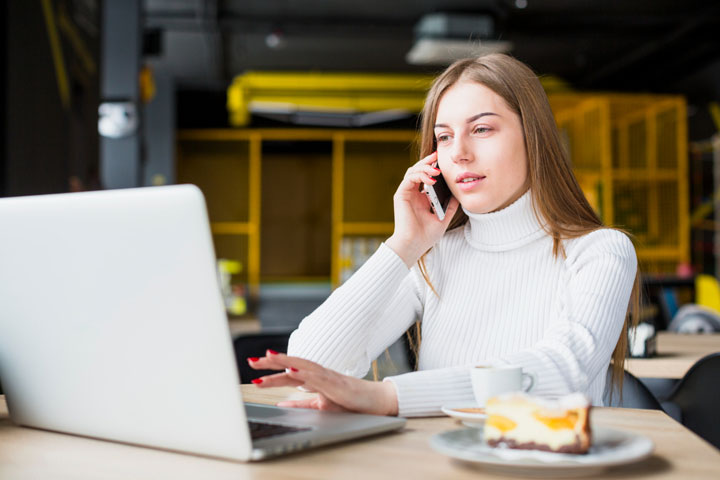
(469, 120)
(475, 117)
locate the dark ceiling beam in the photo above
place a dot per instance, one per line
(539, 23)
(661, 72)
(679, 42)
(232, 24)
(564, 25)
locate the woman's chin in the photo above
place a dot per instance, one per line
(486, 205)
(479, 209)
(480, 206)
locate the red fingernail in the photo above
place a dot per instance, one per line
(272, 352)
(293, 369)
(253, 359)
(257, 381)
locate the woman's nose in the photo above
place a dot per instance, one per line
(460, 151)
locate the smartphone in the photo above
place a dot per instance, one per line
(439, 195)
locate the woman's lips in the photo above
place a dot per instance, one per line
(466, 182)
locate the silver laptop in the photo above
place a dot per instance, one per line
(112, 326)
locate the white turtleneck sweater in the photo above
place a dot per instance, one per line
(503, 299)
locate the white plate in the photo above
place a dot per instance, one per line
(609, 448)
(470, 419)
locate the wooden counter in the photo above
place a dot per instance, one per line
(676, 354)
(29, 454)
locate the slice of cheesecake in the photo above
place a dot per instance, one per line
(522, 421)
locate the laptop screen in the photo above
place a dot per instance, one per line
(111, 320)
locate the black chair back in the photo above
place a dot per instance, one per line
(634, 393)
(255, 345)
(698, 397)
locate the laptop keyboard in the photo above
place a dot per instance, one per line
(260, 430)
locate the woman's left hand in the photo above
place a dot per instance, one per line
(336, 392)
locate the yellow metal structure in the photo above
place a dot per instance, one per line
(346, 92)
(251, 139)
(254, 215)
(707, 292)
(338, 177)
(56, 48)
(628, 153)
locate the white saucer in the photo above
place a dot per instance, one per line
(609, 448)
(459, 411)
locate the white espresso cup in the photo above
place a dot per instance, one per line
(489, 381)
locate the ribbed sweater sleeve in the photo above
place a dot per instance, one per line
(362, 317)
(601, 272)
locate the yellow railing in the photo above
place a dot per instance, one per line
(629, 153)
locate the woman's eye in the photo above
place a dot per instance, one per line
(482, 130)
(443, 138)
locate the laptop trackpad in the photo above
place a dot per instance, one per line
(259, 411)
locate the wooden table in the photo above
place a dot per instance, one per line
(32, 454)
(676, 354)
(244, 325)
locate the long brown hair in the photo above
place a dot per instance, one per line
(557, 199)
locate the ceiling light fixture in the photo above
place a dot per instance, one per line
(275, 40)
(442, 38)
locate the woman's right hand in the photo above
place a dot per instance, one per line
(417, 228)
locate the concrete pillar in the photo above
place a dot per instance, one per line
(120, 111)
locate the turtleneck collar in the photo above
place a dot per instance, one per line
(506, 229)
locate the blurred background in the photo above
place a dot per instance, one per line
(297, 119)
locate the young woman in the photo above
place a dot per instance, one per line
(523, 273)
